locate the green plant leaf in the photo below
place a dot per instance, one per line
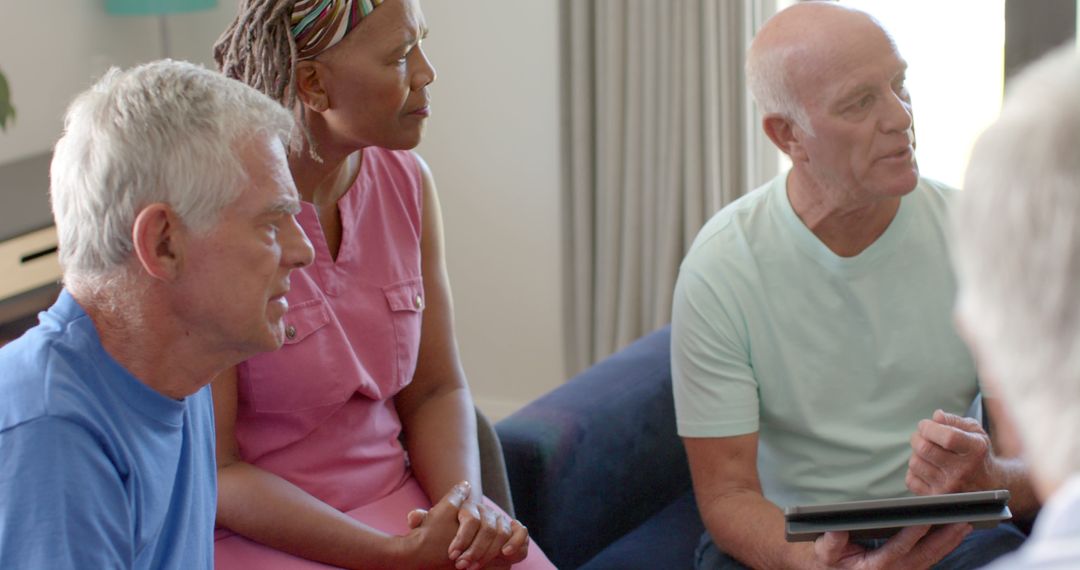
(7, 111)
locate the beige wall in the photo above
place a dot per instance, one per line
(493, 143)
(49, 60)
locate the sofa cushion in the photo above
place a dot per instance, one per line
(667, 540)
(596, 457)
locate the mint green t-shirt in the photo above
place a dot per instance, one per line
(831, 360)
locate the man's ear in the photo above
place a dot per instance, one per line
(158, 240)
(311, 87)
(785, 134)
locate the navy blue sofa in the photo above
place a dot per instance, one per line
(597, 471)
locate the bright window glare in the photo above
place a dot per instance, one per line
(956, 59)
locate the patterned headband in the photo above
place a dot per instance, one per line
(319, 24)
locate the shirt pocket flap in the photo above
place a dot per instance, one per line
(305, 318)
(405, 296)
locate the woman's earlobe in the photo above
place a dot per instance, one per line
(317, 104)
(309, 87)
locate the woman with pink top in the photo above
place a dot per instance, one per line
(312, 469)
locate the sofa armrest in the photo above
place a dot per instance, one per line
(594, 458)
(492, 465)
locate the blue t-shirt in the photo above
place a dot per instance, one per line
(98, 470)
(831, 360)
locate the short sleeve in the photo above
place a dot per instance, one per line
(716, 394)
(64, 504)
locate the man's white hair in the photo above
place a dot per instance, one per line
(166, 131)
(769, 82)
(1017, 253)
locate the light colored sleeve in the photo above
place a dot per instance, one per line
(62, 501)
(716, 394)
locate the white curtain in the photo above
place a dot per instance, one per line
(661, 133)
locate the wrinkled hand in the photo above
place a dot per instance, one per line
(950, 454)
(913, 548)
(486, 538)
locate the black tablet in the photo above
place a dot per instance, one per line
(885, 517)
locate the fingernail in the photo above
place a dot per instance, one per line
(462, 564)
(508, 550)
(455, 555)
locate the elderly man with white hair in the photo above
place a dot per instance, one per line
(175, 211)
(1017, 252)
(813, 352)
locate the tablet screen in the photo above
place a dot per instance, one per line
(883, 518)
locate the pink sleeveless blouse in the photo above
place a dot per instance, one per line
(319, 412)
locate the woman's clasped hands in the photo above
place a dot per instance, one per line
(464, 533)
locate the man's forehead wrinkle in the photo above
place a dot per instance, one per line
(807, 67)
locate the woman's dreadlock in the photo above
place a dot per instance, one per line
(258, 48)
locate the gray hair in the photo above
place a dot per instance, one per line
(1017, 253)
(768, 80)
(166, 132)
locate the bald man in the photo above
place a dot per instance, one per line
(813, 352)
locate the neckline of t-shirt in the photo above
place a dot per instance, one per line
(816, 250)
(140, 397)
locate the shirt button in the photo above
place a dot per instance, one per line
(290, 331)
(419, 302)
